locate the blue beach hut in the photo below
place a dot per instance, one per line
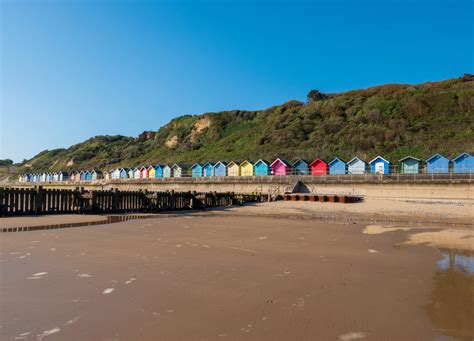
(437, 164)
(337, 166)
(88, 176)
(300, 167)
(208, 168)
(196, 170)
(356, 166)
(463, 163)
(262, 168)
(380, 166)
(158, 171)
(410, 165)
(124, 173)
(220, 168)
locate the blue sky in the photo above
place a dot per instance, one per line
(75, 69)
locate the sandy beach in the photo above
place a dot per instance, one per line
(207, 276)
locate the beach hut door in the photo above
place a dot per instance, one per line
(379, 168)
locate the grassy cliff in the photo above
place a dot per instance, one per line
(394, 120)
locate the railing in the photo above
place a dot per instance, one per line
(20, 201)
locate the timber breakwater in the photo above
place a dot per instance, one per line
(38, 200)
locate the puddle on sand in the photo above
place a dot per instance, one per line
(451, 308)
(108, 220)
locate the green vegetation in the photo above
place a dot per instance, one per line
(394, 120)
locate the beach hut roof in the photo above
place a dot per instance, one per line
(220, 162)
(180, 165)
(262, 161)
(409, 157)
(461, 155)
(151, 167)
(246, 161)
(354, 159)
(158, 166)
(316, 160)
(299, 161)
(280, 160)
(435, 155)
(209, 163)
(336, 159)
(379, 157)
(97, 171)
(143, 167)
(196, 165)
(234, 162)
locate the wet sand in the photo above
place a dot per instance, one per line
(204, 276)
(10, 222)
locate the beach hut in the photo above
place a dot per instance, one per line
(124, 173)
(356, 166)
(280, 167)
(72, 176)
(233, 168)
(410, 165)
(42, 177)
(96, 175)
(167, 171)
(437, 164)
(262, 168)
(29, 177)
(143, 172)
(220, 169)
(63, 176)
(55, 177)
(301, 167)
(379, 165)
(130, 173)
(137, 173)
(179, 170)
(246, 168)
(337, 166)
(88, 175)
(49, 177)
(21, 178)
(318, 167)
(115, 174)
(151, 172)
(196, 170)
(158, 171)
(463, 163)
(207, 169)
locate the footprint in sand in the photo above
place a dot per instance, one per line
(373, 251)
(352, 336)
(108, 291)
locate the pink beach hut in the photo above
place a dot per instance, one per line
(143, 172)
(280, 167)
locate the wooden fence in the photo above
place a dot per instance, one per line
(23, 201)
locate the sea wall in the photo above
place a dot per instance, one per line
(373, 187)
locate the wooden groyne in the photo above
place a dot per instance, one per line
(38, 200)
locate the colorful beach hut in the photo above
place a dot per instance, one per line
(337, 166)
(167, 171)
(196, 170)
(96, 174)
(88, 175)
(124, 173)
(179, 170)
(410, 165)
(49, 177)
(115, 174)
(280, 167)
(220, 169)
(82, 176)
(437, 164)
(262, 168)
(208, 169)
(137, 173)
(55, 177)
(379, 165)
(151, 172)
(356, 166)
(319, 167)
(246, 168)
(143, 172)
(301, 167)
(463, 163)
(73, 175)
(233, 168)
(158, 171)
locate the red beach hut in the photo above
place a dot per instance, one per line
(280, 167)
(319, 167)
(143, 172)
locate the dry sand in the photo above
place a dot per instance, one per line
(202, 277)
(434, 212)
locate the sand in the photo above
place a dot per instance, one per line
(426, 212)
(209, 277)
(48, 220)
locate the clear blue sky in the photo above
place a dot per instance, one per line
(75, 69)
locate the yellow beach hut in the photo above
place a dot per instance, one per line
(246, 168)
(151, 172)
(233, 168)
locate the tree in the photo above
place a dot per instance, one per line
(316, 95)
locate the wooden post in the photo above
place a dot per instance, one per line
(38, 199)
